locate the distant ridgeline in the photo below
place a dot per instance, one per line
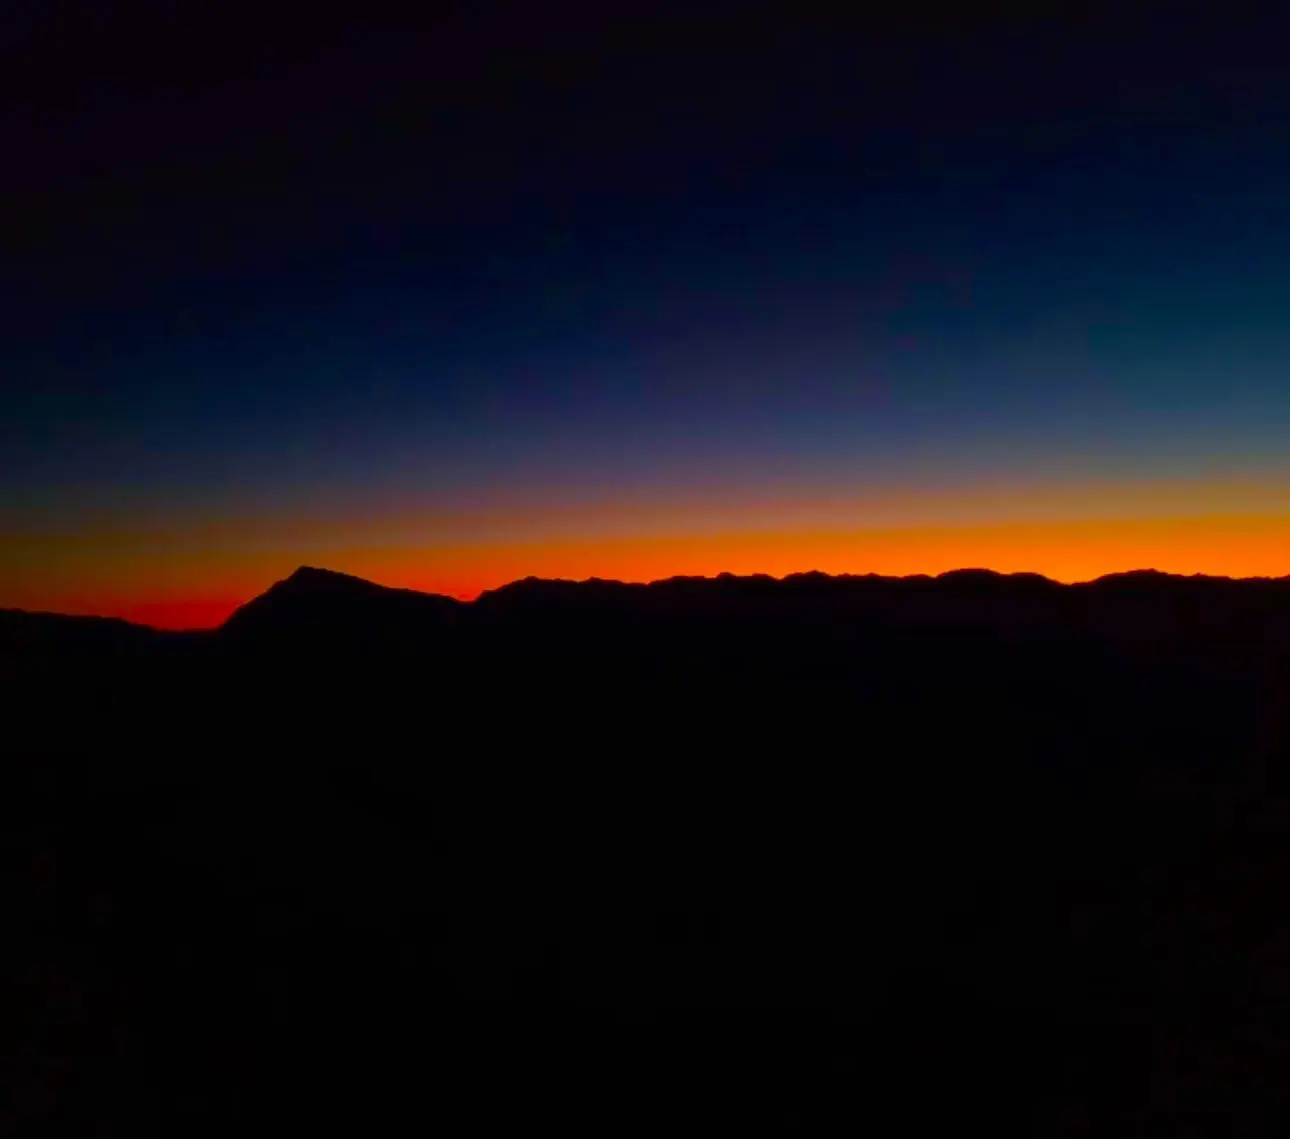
(1132, 669)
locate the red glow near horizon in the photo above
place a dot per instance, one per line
(196, 613)
(183, 597)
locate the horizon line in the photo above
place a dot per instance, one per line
(233, 607)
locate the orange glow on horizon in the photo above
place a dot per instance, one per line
(196, 587)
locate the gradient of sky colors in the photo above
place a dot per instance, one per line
(589, 295)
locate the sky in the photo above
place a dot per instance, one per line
(570, 291)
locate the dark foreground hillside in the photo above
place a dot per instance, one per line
(818, 855)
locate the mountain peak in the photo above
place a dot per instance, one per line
(314, 576)
(323, 601)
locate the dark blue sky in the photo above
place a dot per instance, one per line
(535, 257)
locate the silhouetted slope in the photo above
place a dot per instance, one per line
(724, 849)
(318, 604)
(55, 632)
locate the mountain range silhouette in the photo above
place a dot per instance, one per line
(739, 851)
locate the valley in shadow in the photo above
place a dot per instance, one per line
(807, 855)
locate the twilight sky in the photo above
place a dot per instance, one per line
(631, 291)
